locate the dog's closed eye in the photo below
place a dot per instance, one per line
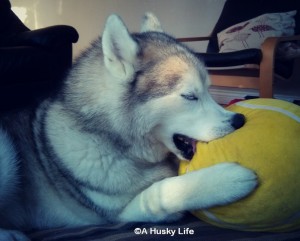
(191, 97)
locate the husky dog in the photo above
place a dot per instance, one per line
(104, 147)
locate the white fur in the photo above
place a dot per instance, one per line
(8, 168)
(119, 49)
(8, 182)
(12, 235)
(211, 186)
(151, 23)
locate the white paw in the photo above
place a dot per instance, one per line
(230, 182)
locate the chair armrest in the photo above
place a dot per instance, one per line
(231, 59)
(49, 37)
(245, 56)
(194, 39)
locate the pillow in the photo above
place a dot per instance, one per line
(253, 32)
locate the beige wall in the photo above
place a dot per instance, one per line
(180, 18)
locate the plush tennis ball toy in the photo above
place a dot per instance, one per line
(269, 144)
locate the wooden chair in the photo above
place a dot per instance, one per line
(231, 69)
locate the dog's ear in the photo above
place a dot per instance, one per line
(119, 48)
(150, 23)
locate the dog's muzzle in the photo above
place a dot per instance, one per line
(187, 145)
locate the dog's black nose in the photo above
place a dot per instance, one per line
(238, 121)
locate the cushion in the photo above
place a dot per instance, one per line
(253, 32)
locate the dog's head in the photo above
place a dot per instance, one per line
(165, 96)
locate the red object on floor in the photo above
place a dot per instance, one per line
(234, 101)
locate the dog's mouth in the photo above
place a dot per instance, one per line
(186, 145)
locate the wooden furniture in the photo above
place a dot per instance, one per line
(232, 69)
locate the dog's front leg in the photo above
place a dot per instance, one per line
(216, 185)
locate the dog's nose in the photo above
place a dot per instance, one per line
(238, 121)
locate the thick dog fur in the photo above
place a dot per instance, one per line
(103, 148)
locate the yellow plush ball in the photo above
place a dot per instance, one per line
(269, 144)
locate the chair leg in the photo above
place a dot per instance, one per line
(266, 84)
(266, 76)
(266, 72)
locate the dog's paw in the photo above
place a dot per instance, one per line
(231, 182)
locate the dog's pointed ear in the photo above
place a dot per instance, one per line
(119, 48)
(151, 23)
